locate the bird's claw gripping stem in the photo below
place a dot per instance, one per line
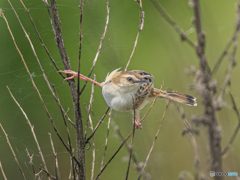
(75, 75)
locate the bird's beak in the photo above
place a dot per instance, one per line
(142, 81)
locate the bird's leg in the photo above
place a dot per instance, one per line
(75, 75)
(135, 119)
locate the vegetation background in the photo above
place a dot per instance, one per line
(160, 51)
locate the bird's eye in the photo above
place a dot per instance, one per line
(130, 79)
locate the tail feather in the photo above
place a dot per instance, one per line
(178, 97)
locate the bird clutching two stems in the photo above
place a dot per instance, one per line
(131, 90)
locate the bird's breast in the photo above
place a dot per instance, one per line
(117, 100)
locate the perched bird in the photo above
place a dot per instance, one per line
(129, 90)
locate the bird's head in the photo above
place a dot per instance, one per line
(126, 81)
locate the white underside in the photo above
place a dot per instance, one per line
(117, 100)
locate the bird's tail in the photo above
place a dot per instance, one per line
(174, 96)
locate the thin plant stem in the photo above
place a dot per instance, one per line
(31, 162)
(99, 47)
(131, 146)
(134, 158)
(141, 24)
(14, 155)
(80, 143)
(154, 141)
(97, 126)
(91, 126)
(172, 23)
(4, 176)
(32, 129)
(99, 174)
(230, 42)
(230, 142)
(106, 141)
(57, 171)
(31, 78)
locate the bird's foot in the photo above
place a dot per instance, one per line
(75, 75)
(138, 125)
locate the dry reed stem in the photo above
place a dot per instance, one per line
(97, 126)
(134, 158)
(32, 129)
(50, 175)
(57, 171)
(228, 45)
(203, 80)
(41, 41)
(50, 15)
(31, 162)
(153, 144)
(31, 78)
(89, 107)
(131, 145)
(99, 47)
(106, 141)
(91, 126)
(79, 124)
(141, 24)
(100, 172)
(172, 23)
(80, 143)
(4, 176)
(14, 155)
(232, 57)
(71, 169)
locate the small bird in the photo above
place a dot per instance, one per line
(129, 90)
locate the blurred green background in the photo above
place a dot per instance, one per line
(160, 51)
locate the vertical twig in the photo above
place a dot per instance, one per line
(134, 158)
(99, 47)
(131, 145)
(141, 24)
(79, 124)
(57, 171)
(89, 107)
(50, 16)
(106, 142)
(74, 93)
(203, 80)
(71, 169)
(91, 126)
(153, 144)
(4, 176)
(14, 155)
(93, 149)
(190, 131)
(31, 162)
